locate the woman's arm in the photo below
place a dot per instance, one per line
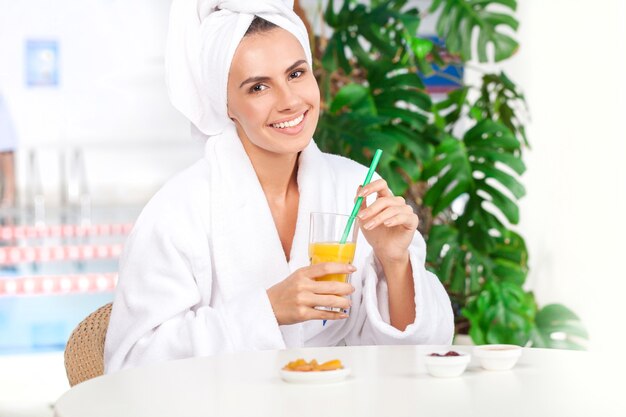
(401, 292)
(404, 303)
(165, 307)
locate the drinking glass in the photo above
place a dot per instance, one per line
(326, 231)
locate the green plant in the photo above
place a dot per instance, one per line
(465, 185)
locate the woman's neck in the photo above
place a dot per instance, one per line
(277, 173)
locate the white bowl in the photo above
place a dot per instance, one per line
(497, 357)
(446, 366)
(319, 377)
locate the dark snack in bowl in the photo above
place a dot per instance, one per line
(450, 353)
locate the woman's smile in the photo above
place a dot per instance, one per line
(291, 126)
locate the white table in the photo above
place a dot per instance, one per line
(386, 381)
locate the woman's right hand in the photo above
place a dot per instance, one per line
(293, 299)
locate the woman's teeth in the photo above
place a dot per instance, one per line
(290, 123)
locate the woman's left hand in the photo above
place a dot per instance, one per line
(388, 224)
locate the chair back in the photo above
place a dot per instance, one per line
(84, 353)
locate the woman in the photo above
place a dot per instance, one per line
(217, 261)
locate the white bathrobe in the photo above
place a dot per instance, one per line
(196, 267)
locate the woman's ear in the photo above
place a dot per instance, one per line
(230, 115)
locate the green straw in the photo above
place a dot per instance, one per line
(359, 200)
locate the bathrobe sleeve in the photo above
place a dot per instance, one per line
(434, 320)
(161, 309)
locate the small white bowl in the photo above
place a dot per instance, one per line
(446, 366)
(497, 357)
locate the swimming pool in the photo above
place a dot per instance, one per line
(52, 276)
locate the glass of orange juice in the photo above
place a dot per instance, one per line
(326, 231)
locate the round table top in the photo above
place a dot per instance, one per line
(385, 381)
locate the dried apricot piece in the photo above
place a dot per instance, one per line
(300, 365)
(331, 365)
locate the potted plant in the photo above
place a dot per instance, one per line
(458, 161)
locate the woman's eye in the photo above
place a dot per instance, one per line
(296, 74)
(257, 88)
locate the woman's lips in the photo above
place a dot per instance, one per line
(292, 130)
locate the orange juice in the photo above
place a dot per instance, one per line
(332, 252)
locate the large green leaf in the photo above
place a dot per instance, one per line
(558, 327)
(461, 22)
(355, 96)
(464, 267)
(501, 313)
(461, 168)
(450, 110)
(501, 100)
(390, 110)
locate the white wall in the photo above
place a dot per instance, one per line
(111, 100)
(571, 65)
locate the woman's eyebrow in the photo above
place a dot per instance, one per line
(262, 78)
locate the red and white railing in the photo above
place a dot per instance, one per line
(63, 230)
(57, 284)
(18, 254)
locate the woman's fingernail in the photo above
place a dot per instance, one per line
(387, 222)
(351, 268)
(369, 225)
(343, 316)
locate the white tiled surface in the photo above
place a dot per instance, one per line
(30, 384)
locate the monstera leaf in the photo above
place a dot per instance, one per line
(367, 33)
(464, 269)
(558, 327)
(463, 22)
(455, 261)
(501, 100)
(473, 167)
(388, 108)
(359, 121)
(502, 313)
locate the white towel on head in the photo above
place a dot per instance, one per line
(202, 38)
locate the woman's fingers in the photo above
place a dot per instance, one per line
(326, 315)
(385, 217)
(329, 301)
(379, 186)
(332, 287)
(408, 220)
(327, 268)
(367, 214)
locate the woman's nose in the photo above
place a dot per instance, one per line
(288, 99)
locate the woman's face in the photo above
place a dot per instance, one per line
(273, 97)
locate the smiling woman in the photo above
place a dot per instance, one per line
(218, 259)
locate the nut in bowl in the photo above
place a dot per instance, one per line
(446, 364)
(497, 357)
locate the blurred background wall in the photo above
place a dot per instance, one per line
(110, 100)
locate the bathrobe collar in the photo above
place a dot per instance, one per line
(239, 203)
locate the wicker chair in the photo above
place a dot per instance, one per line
(84, 353)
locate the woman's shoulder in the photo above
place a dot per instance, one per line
(189, 181)
(183, 197)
